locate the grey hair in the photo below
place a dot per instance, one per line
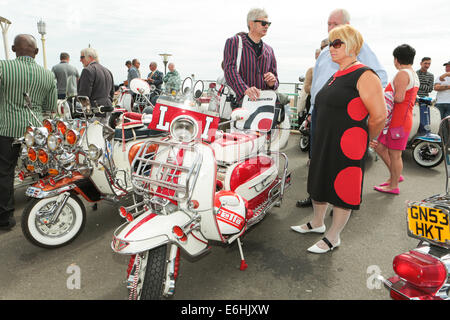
(256, 13)
(90, 52)
(345, 15)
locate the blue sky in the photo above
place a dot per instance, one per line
(194, 32)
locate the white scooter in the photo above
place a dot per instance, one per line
(200, 186)
(76, 158)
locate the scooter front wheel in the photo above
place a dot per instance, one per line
(39, 229)
(150, 271)
(428, 154)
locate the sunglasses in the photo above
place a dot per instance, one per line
(82, 57)
(336, 43)
(263, 23)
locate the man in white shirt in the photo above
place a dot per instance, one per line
(325, 68)
(442, 86)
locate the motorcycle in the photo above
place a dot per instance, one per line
(425, 145)
(200, 186)
(76, 158)
(424, 272)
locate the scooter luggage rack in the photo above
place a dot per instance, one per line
(149, 174)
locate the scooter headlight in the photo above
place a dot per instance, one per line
(43, 156)
(32, 155)
(49, 124)
(29, 138)
(93, 152)
(184, 128)
(61, 126)
(53, 142)
(72, 136)
(40, 136)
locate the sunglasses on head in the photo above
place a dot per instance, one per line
(336, 43)
(263, 23)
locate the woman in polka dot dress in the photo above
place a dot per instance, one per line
(350, 111)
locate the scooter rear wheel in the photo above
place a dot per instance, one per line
(424, 154)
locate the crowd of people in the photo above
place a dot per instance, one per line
(351, 103)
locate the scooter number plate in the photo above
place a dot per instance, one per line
(33, 192)
(429, 223)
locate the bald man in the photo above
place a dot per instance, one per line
(19, 76)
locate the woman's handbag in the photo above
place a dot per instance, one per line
(397, 133)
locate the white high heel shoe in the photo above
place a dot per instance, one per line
(316, 249)
(299, 229)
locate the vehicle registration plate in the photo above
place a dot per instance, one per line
(429, 223)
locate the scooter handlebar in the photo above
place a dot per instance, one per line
(103, 109)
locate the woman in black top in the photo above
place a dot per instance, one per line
(352, 96)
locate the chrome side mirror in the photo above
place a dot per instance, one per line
(444, 132)
(198, 89)
(186, 85)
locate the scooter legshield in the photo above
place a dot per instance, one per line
(150, 230)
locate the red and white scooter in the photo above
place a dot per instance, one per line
(200, 185)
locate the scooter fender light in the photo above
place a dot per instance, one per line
(123, 212)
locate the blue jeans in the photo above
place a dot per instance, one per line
(444, 109)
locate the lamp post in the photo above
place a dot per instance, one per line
(5, 23)
(41, 30)
(165, 57)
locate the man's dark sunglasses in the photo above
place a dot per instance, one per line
(82, 57)
(336, 43)
(263, 23)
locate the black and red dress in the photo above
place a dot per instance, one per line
(341, 138)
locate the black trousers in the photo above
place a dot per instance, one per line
(9, 154)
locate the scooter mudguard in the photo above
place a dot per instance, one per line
(150, 230)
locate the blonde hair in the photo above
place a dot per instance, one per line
(350, 36)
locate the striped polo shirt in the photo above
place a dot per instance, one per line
(21, 75)
(426, 80)
(252, 68)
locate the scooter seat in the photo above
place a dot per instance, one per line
(134, 133)
(232, 147)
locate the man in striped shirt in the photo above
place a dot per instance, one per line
(258, 66)
(426, 80)
(19, 76)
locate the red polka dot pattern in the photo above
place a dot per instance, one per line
(354, 143)
(357, 110)
(348, 185)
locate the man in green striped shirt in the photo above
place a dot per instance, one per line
(19, 76)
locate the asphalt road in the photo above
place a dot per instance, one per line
(279, 267)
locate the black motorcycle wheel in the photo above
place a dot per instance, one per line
(304, 143)
(154, 274)
(423, 156)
